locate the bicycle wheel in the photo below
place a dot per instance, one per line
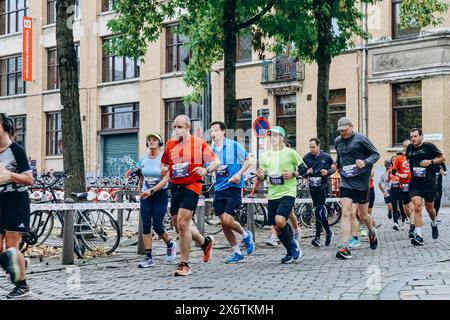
(41, 222)
(167, 221)
(334, 213)
(212, 223)
(305, 214)
(97, 230)
(260, 215)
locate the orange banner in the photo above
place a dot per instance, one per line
(27, 51)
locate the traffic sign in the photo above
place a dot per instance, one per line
(261, 127)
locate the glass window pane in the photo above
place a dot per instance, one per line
(289, 126)
(171, 59)
(12, 23)
(4, 84)
(3, 24)
(11, 84)
(407, 94)
(405, 119)
(20, 84)
(287, 105)
(170, 37)
(20, 14)
(184, 57)
(12, 5)
(118, 68)
(130, 69)
(245, 47)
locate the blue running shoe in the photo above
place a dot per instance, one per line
(287, 259)
(249, 244)
(354, 243)
(296, 251)
(235, 258)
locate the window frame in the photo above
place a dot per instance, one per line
(282, 117)
(17, 72)
(239, 59)
(109, 7)
(178, 45)
(105, 114)
(107, 73)
(52, 150)
(56, 67)
(341, 113)
(16, 13)
(394, 29)
(168, 123)
(23, 131)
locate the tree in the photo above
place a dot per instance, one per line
(72, 137)
(212, 27)
(309, 26)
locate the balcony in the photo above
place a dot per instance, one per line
(282, 75)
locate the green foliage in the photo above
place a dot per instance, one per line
(423, 13)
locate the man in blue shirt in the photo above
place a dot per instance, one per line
(228, 188)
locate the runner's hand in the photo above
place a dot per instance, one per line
(323, 172)
(201, 171)
(260, 174)
(235, 179)
(386, 194)
(360, 164)
(5, 174)
(144, 195)
(287, 175)
(425, 163)
(310, 171)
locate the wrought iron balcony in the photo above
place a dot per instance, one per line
(282, 69)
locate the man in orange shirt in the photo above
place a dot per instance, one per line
(401, 169)
(184, 159)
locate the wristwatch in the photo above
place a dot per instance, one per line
(432, 161)
(152, 191)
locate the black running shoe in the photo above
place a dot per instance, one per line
(434, 231)
(19, 292)
(328, 238)
(373, 240)
(343, 253)
(417, 241)
(316, 242)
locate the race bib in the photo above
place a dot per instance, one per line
(150, 182)
(395, 184)
(419, 172)
(180, 170)
(276, 180)
(405, 187)
(315, 182)
(350, 171)
(222, 171)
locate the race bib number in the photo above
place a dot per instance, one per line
(419, 172)
(394, 184)
(405, 187)
(150, 182)
(276, 180)
(350, 171)
(180, 170)
(222, 171)
(315, 182)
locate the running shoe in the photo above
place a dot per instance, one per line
(411, 234)
(171, 252)
(297, 234)
(272, 242)
(316, 242)
(296, 251)
(287, 259)
(434, 231)
(343, 253)
(363, 232)
(235, 258)
(182, 270)
(10, 263)
(396, 227)
(147, 263)
(249, 243)
(373, 240)
(329, 238)
(207, 248)
(354, 243)
(417, 241)
(19, 292)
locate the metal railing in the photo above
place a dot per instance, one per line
(282, 69)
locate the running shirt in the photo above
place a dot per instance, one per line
(318, 162)
(385, 180)
(183, 157)
(394, 180)
(151, 171)
(15, 160)
(231, 156)
(402, 166)
(274, 163)
(427, 151)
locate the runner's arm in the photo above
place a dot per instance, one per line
(162, 183)
(374, 154)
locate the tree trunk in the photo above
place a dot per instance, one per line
(323, 76)
(70, 101)
(229, 46)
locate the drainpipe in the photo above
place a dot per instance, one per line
(364, 71)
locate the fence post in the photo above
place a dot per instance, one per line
(140, 247)
(68, 233)
(120, 213)
(251, 219)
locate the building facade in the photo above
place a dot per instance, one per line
(406, 84)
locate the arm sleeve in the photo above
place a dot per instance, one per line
(21, 158)
(374, 155)
(435, 151)
(330, 162)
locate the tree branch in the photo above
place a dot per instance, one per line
(257, 17)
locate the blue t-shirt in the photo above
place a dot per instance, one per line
(232, 157)
(151, 171)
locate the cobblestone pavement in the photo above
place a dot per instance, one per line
(396, 270)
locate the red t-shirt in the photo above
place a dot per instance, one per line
(402, 166)
(183, 158)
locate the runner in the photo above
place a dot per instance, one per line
(356, 156)
(401, 169)
(228, 189)
(385, 186)
(441, 170)
(154, 199)
(422, 157)
(281, 165)
(184, 158)
(372, 199)
(319, 168)
(15, 177)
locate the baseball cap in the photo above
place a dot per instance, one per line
(153, 134)
(278, 130)
(344, 123)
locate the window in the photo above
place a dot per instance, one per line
(20, 123)
(107, 5)
(54, 134)
(398, 31)
(336, 110)
(11, 15)
(177, 107)
(407, 100)
(11, 76)
(177, 53)
(51, 10)
(124, 116)
(244, 47)
(53, 81)
(244, 122)
(286, 117)
(117, 68)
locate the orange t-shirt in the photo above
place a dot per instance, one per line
(402, 166)
(183, 157)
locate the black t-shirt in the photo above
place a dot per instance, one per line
(15, 160)
(427, 151)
